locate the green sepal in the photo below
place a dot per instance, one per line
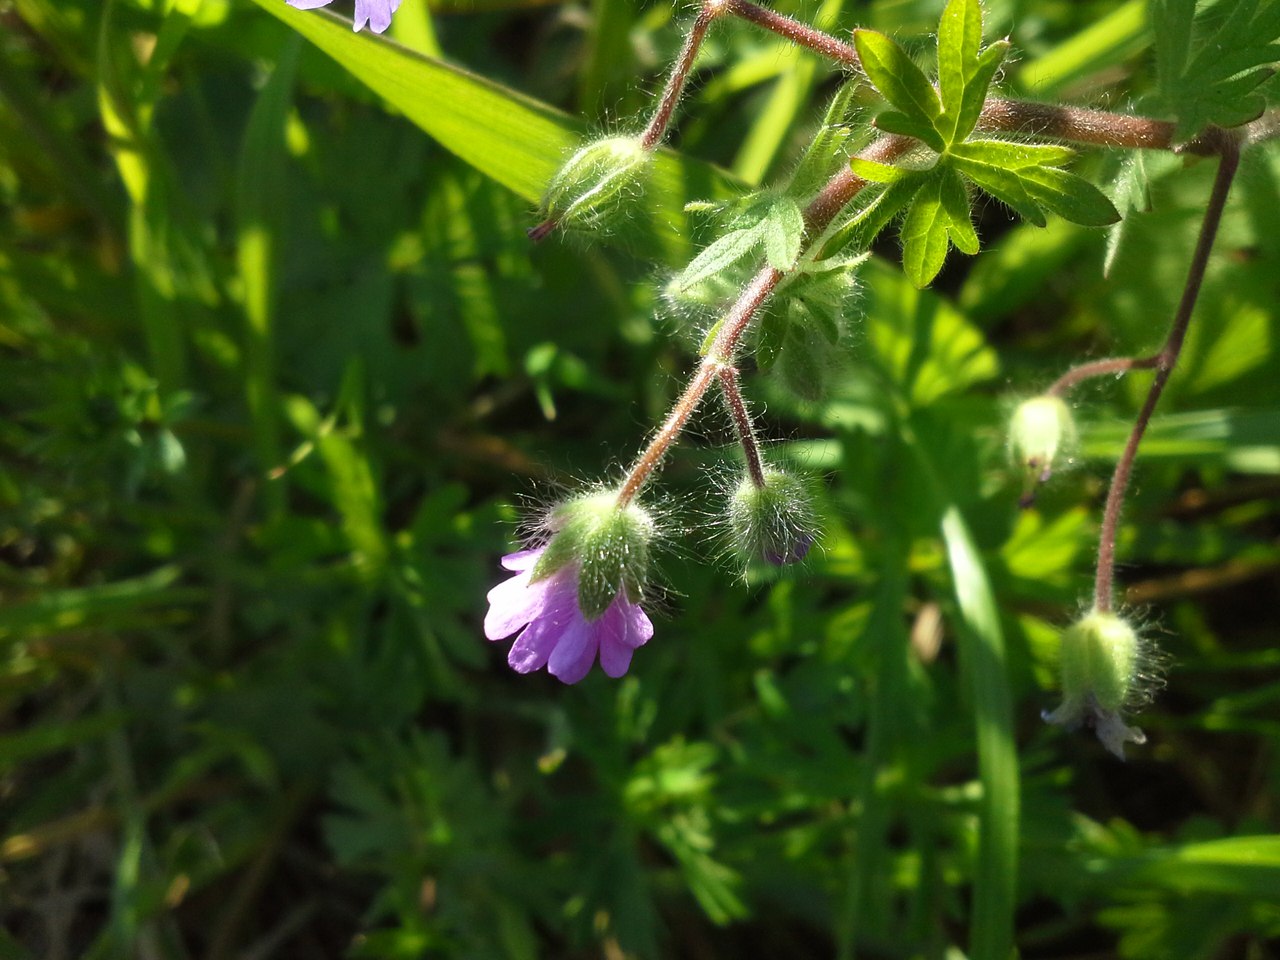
(609, 544)
(1099, 660)
(776, 523)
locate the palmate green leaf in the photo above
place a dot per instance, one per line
(920, 342)
(1216, 84)
(896, 76)
(515, 140)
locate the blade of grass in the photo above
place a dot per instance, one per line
(982, 649)
(507, 136)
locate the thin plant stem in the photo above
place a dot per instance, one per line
(1099, 368)
(837, 193)
(667, 433)
(1165, 361)
(798, 33)
(729, 386)
(657, 128)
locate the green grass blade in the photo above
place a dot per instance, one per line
(511, 138)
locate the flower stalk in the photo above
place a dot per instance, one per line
(1164, 362)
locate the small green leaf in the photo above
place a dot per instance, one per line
(1002, 184)
(771, 336)
(1215, 84)
(827, 147)
(891, 121)
(783, 233)
(896, 76)
(975, 91)
(955, 201)
(721, 254)
(1069, 196)
(924, 234)
(877, 214)
(959, 36)
(1014, 156)
(873, 172)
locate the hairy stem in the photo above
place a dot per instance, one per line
(657, 128)
(742, 424)
(1099, 368)
(798, 33)
(667, 433)
(1228, 147)
(837, 193)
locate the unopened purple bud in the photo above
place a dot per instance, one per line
(776, 522)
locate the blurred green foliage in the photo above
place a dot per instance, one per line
(280, 372)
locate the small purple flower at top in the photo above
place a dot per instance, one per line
(376, 13)
(556, 633)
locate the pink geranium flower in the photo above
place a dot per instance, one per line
(553, 630)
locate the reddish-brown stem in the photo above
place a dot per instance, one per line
(798, 33)
(1099, 368)
(837, 193)
(666, 435)
(657, 128)
(742, 424)
(1228, 148)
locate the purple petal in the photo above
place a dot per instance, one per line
(572, 658)
(512, 604)
(308, 4)
(376, 13)
(559, 613)
(521, 560)
(533, 647)
(611, 631)
(639, 626)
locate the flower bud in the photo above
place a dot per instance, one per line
(593, 189)
(610, 545)
(1040, 429)
(776, 523)
(1100, 669)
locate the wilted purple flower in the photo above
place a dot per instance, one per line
(556, 633)
(376, 13)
